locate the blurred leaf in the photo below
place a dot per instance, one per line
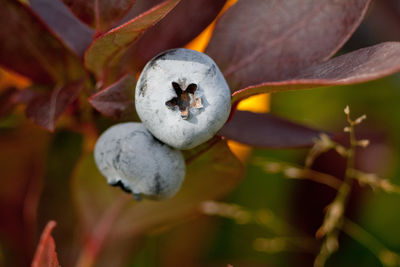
(28, 47)
(56, 201)
(211, 176)
(363, 65)
(7, 100)
(46, 255)
(22, 167)
(12, 79)
(187, 244)
(257, 41)
(100, 14)
(117, 100)
(267, 131)
(108, 48)
(187, 20)
(193, 153)
(91, 192)
(45, 109)
(76, 35)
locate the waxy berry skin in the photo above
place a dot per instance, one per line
(130, 157)
(182, 98)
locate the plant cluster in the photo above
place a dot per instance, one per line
(74, 66)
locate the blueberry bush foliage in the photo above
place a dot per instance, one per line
(69, 69)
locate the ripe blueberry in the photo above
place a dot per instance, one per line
(130, 157)
(182, 98)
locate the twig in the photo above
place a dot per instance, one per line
(375, 182)
(266, 218)
(333, 220)
(322, 145)
(285, 243)
(294, 171)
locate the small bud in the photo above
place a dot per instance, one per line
(360, 119)
(273, 167)
(332, 244)
(341, 150)
(347, 110)
(325, 140)
(209, 207)
(389, 258)
(292, 172)
(363, 143)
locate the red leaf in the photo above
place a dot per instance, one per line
(11, 97)
(178, 28)
(356, 67)
(46, 109)
(257, 41)
(46, 255)
(23, 166)
(106, 50)
(77, 36)
(28, 47)
(100, 14)
(7, 100)
(117, 100)
(267, 131)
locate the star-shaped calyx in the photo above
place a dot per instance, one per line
(184, 99)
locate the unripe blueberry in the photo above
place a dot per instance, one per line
(130, 157)
(182, 98)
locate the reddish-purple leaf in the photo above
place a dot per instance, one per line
(28, 47)
(23, 162)
(117, 100)
(267, 131)
(45, 109)
(106, 50)
(12, 96)
(45, 255)
(257, 41)
(356, 67)
(100, 14)
(7, 100)
(76, 35)
(178, 28)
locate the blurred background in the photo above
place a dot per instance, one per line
(44, 176)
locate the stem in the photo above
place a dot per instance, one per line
(296, 240)
(333, 221)
(294, 171)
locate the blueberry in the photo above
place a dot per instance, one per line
(182, 98)
(131, 158)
